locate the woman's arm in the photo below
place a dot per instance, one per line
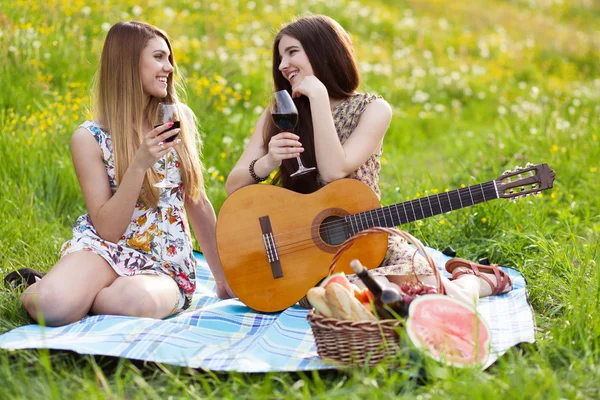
(204, 221)
(282, 146)
(334, 160)
(111, 214)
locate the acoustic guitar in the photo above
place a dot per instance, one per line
(275, 244)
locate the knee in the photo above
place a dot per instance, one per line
(142, 304)
(50, 308)
(130, 302)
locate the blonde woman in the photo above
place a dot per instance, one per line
(132, 253)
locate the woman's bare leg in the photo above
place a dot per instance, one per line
(67, 292)
(152, 296)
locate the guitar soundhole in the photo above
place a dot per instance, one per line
(333, 231)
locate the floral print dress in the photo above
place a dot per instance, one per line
(157, 240)
(399, 257)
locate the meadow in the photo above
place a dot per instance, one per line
(477, 88)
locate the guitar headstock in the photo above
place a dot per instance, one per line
(522, 182)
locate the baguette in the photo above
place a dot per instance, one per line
(344, 305)
(316, 297)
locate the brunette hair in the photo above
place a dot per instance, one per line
(118, 103)
(329, 50)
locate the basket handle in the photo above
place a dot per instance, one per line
(391, 231)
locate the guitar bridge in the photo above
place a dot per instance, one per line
(271, 247)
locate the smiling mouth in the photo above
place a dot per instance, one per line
(292, 76)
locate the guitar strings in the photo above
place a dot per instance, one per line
(363, 219)
(389, 213)
(287, 247)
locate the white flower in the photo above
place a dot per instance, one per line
(502, 110)
(251, 5)
(418, 72)
(169, 12)
(86, 11)
(227, 140)
(137, 10)
(420, 97)
(258, 110)
(106, 26)
(562, 124)
(258, 41)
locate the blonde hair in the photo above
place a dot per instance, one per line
(118, 103)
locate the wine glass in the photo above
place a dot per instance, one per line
(167, 112)
(285, 116)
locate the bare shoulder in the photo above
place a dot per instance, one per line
(377, 110)
(83, 142)
(381, 106)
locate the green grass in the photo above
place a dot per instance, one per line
(477, 88)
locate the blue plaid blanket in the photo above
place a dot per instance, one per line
(225, 335)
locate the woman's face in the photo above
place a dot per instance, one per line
(294, 63)
(155, 67)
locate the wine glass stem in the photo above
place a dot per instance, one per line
(166, 179)
(300, 166)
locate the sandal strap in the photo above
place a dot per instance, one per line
(502, 278)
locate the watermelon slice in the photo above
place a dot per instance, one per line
(448, 330)
(340, 278)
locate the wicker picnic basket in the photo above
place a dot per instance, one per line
(362, 342)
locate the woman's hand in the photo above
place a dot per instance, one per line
(310, 87)
(154, 146)
(282, 146)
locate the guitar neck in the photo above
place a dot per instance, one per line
(414, 210)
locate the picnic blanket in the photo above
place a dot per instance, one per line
(225, 335)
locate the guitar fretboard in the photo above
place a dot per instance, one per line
(414, 210)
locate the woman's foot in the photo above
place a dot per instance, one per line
(22, 277)
(496, 280)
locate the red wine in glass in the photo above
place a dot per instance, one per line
(176, 125)
(167, 112)
(285, 116)
(285, 122)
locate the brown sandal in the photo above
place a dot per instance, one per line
(468, 267)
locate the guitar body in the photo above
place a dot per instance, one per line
(261, 223)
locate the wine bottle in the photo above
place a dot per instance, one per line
(385, 295)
